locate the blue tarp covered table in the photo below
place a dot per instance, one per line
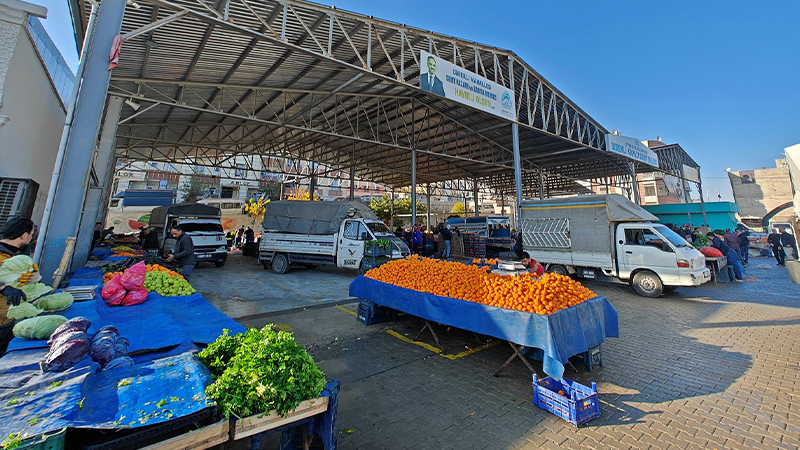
(559, 335)
(101, 253)
(166, 382)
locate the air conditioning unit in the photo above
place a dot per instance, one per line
(17, 198)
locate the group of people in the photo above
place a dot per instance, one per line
(237, 238)
(779, 240)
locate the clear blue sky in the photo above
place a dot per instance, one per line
(718, 77)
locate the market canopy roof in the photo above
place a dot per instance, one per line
(293, 79)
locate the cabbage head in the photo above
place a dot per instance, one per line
(40, 327)
(35, 290)
(14, 267)
(55, 302)
(24, 310)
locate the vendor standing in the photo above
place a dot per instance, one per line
(149, 239)
(725, 249)
(183, 252)
(15, 237)
(532, 265)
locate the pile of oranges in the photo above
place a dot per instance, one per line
(109, 275)
(540, 295)
(489, 261)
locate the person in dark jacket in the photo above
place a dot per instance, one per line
(518, 245)
(725, 249)
(774, 241)
(732, 240)
(98, 234)
(149, 240)
(744, 245)
(787, 241)
(183, 253)
(446, 235)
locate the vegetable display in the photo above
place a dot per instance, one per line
(544, 295)
(18, 271)
(167, 285)
(40, 327)
(260, 371)
(69, 344)
(127, 288)
(35, 290)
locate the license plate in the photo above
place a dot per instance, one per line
(203, 256)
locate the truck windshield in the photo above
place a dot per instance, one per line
(378, 228)
(671, 236)
(192, 227)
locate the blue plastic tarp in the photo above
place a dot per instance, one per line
(157, 323)
(101, 253)
(560, 335)
(161, 386)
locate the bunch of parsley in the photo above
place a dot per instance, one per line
(260, 371)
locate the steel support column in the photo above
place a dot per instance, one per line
(515, 145)
(475, 196)
(634, 184)
(686, 197)
(391, 211)
(71, 189)
(428, 206)
(352, 180)
(542, 195)
(702, 202)
(312, 186)
(94, 194)
(413, 187)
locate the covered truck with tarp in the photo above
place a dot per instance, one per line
(201, 222)
(321, 233)
(609, 238)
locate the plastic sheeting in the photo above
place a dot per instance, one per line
(560, 335)
(161, 386)
(157, 323)
(312, 217)
(101, 253)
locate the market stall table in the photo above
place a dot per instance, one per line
(560, 335)
(716, 264)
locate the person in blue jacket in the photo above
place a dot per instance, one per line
(416, 240)
(733, 258)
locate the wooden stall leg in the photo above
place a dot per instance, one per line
(516, 354)
(435, 337)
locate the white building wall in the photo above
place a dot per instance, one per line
(31, 113)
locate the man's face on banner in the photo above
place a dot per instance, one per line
(431, 66)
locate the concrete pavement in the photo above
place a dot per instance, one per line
(708, 367)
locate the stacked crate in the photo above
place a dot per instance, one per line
(474, 245)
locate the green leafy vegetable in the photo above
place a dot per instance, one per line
(24, 310)
(15, 267)
(35, 290)
(55, 302)
(40, 327)
(13, 440)
(260, 371)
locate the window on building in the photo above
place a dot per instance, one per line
(200, 170)
(154, 165)
(650, 191)
(239, 171)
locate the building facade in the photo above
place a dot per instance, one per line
(759, 192)
(35, 86)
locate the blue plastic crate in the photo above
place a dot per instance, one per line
(591, 357)
(578, 405)
(369, 313)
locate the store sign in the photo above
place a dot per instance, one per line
(691, 174)
(631, 148)
(444, 78)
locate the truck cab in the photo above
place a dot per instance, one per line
(652, 256)
(354, 232)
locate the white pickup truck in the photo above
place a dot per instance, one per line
(200, 222)
(321, 233)
(609, 238)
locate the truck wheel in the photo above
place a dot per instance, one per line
(559, 269)
(280, 264)
(647, 284)
(219, 263)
